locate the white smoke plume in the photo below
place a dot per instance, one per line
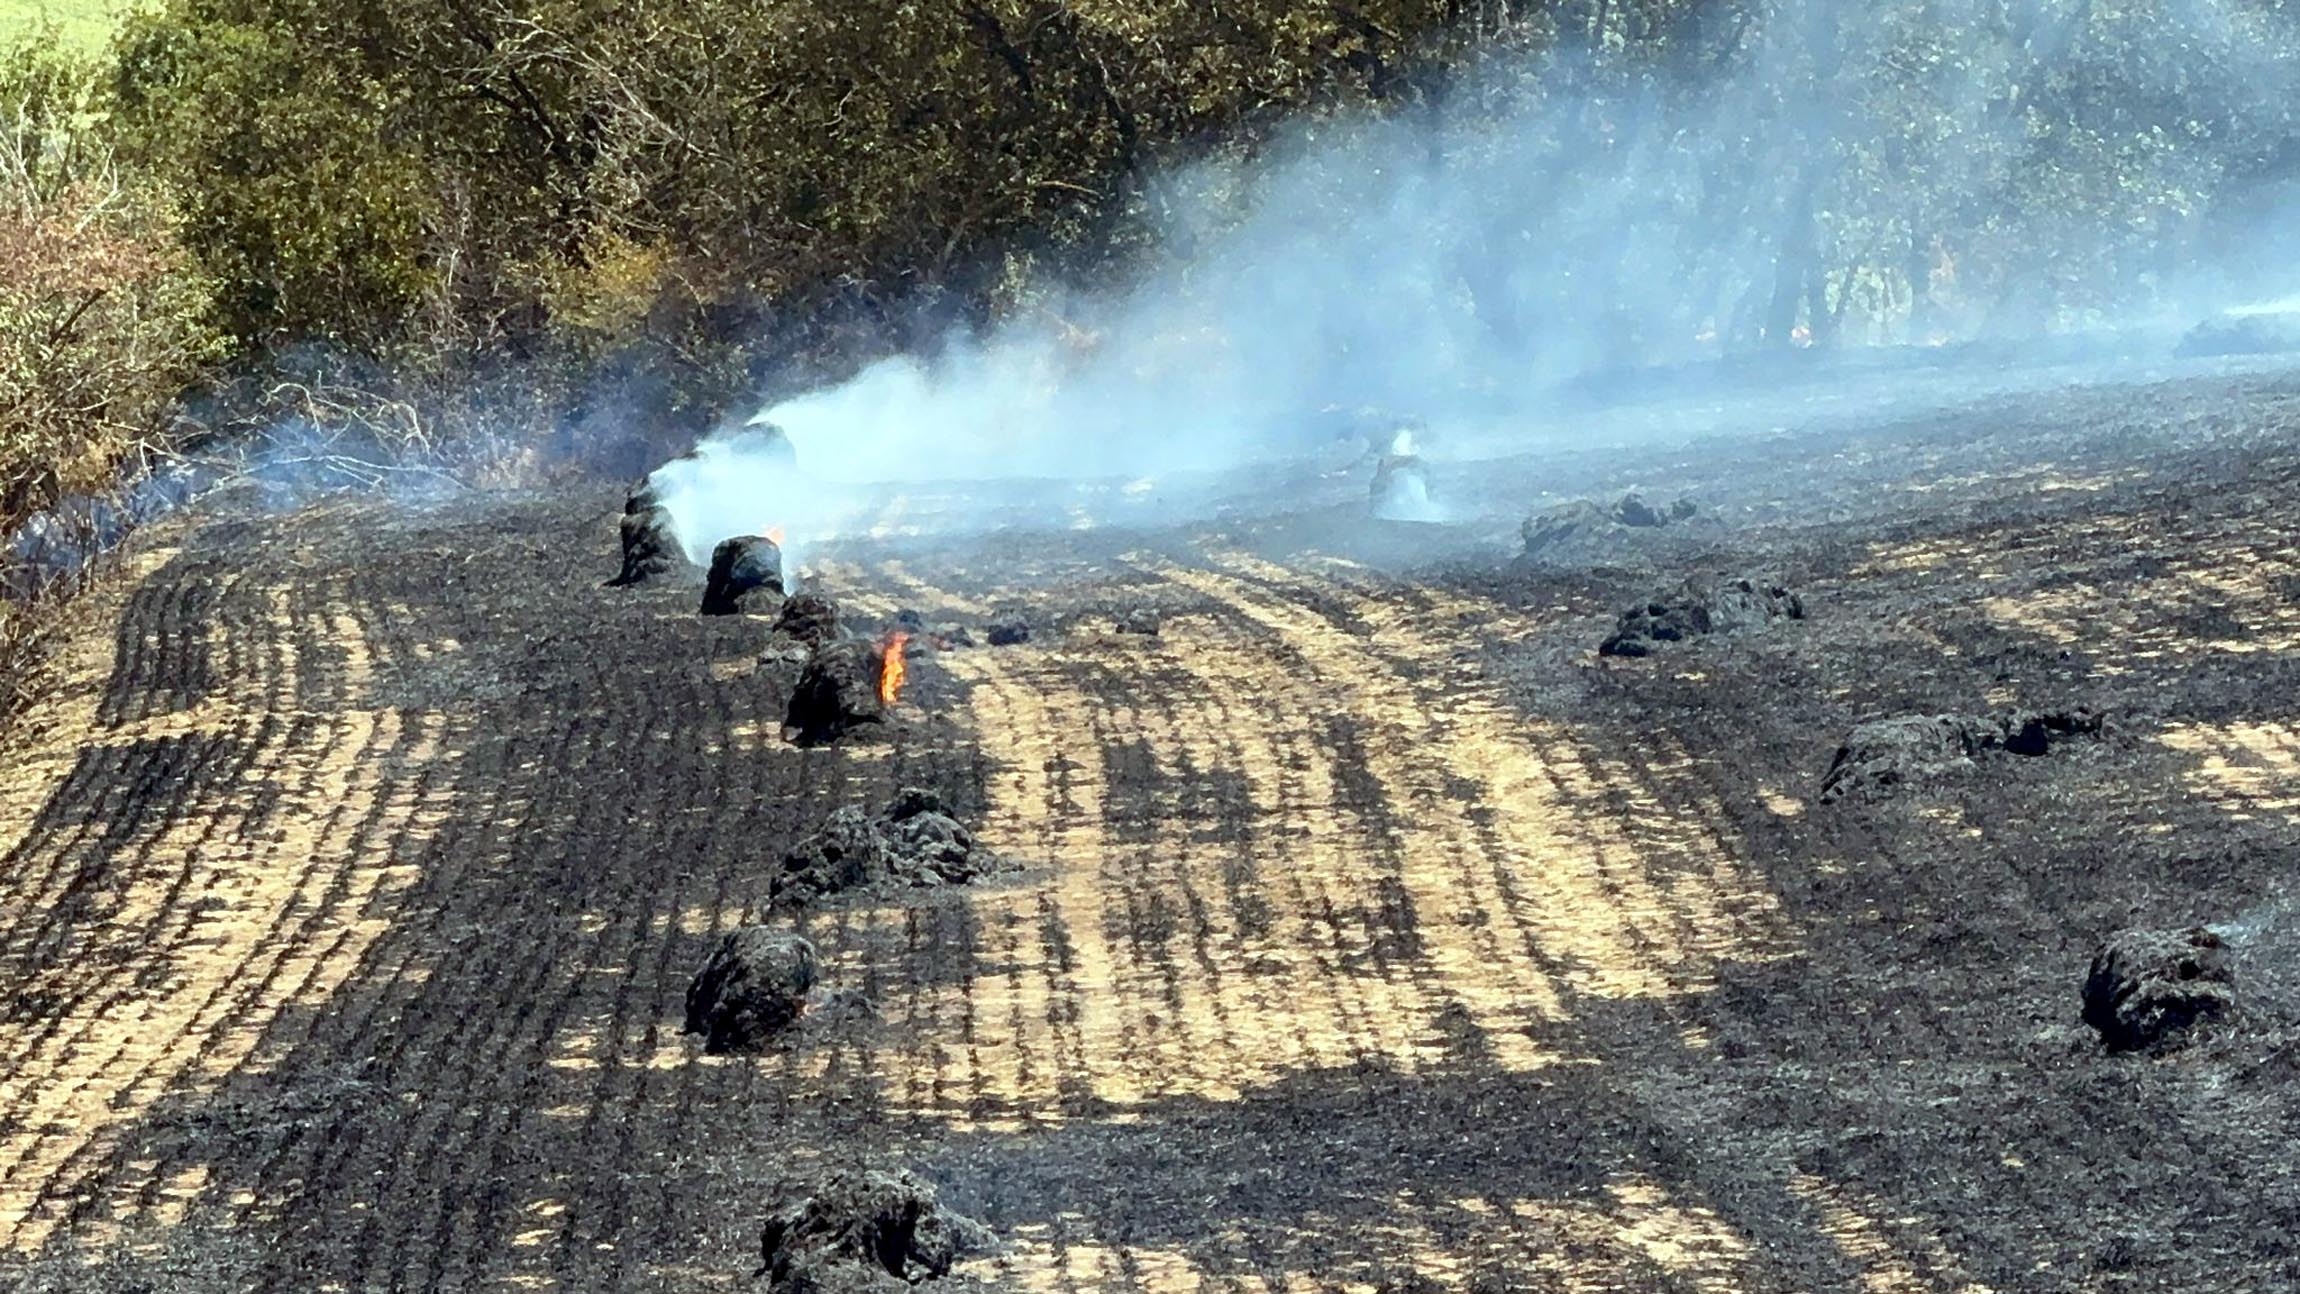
(1466, 263)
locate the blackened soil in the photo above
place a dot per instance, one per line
(1370, 929)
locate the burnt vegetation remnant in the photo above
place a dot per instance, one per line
(808, 618)
(1910, 750)
(753, 987)
(746, 577)
(914, 842)
(858, 1231)
(1701, 606)
(941, 635)
(1143, 621)
(650, 547)
(1585, 532)
(2147, 988)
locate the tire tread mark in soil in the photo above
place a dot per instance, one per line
(1299, 780)
(200, 853)
(1139, 720)
(398, 971)
(1467, 711)
(1470, 961)
(1131, 912)
(1304, 816)
(46, 1059)
(162, 661)
(396, 1002)
(1014, 705)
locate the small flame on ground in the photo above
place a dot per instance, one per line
(775, 536)
(892, 670)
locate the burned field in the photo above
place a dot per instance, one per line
(1359, 926)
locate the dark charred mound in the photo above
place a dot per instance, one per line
(2264, 333)
(2036, 733)
(1139, 620)
(650, 550)
(1702, 606)
(941, 637)
(754, 986)
(1635, 512)
(915, 842)
(837, 692)
(1886, 753)
(855, 1230)
(2147, 986)
(746, 577)
(644, 496)
(1008, 628)
(808, 618)
(1586, 532)
(1908, 748)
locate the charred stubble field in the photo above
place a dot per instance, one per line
(1372, 932)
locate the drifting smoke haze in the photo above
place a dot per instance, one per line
(1856, 176)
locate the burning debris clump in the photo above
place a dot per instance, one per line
(1885, 753)
(856, 1230)
(846, 683)
(1583, 531)
(2146, 986)
(746, 577)
(915, 842)
(1702, 606)
(753, 987)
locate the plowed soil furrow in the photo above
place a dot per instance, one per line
(1367, 931)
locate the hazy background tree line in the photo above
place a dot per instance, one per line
(513, 228)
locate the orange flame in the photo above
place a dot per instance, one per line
(775, 536)
(892, 670)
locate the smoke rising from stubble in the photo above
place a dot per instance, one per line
(1888, 175)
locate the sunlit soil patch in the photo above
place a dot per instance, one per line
(2234, 612)
(1919, 555)
(2248, 768)
(1404, 858)
(1891, 1258)
(1634, 1235)
(261, 889)
(1992, 554)
(2040, 480)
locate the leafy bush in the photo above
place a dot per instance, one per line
(101, 312)
(685, 189)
